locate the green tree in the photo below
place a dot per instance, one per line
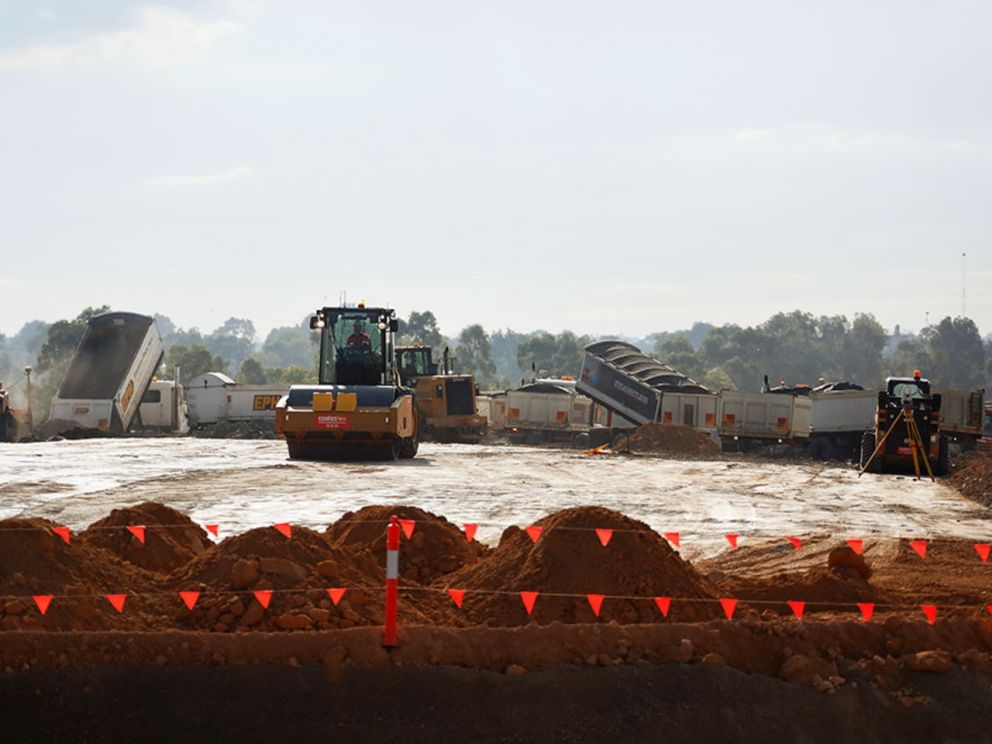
(422, 328)
(474, 354)
(557, 355)
(910, 354)
(234, 340)
(956, 352)
(252, 372)
(297, 375)
(290, 346)
(677, 353)
(193, 361)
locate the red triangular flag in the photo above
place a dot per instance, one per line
(796, 542)
(931, 612)
(62, 532)
(664, 604)
(867, 609)
(117, 600)
(856, 545)
(981, 548)
(920, 546)
(529, 598)
(408, 525)
(672, 537)
(212, 529)
(457, 595)
(534, 532)
(989, 608)
(797, 608)
(264, 596)
(732, 539)
(336, 594)
(728, 607)
(284, 529)
(190, 598)
(138, 530)
(604, 536)
(470, 530)
(42, 600)
(596, 602)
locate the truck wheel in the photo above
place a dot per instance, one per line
(409, 447)
(943, 464)
(581, 441)
(819, 449)
(868, 445)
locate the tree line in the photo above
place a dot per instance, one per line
(795, 347)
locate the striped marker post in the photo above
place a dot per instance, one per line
(392, 580)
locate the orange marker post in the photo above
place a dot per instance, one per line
(392, 581)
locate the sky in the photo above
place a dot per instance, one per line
(607, 167)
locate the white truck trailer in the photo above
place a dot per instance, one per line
(213, 397)
(839, 420)
(110, 372)
(961, 413)
(546, 411)
(750, 419)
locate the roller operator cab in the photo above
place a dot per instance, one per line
(358, 408)
(906, 403)
(446, 402)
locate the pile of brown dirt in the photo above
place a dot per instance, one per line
(569, 558)
(36, 561)
(436, 549)
(972, 476)
(673, 439)
(171, 538)
(300, 570)
(823, 589)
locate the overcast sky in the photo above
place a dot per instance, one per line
(601, 166)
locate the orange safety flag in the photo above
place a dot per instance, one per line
(117, 600)
(470, 530)
(529, 598)
(408, 525)
(920, 546)
(796, 542)
(284, 529)
(596, 602)
(732, 539)
(729, 605)
(212, 529)
(931, 612)
(189, 598)
(62, 532)
(138, 530)
(336, 594)
(664, 604)
(867, 610)
(797, 608)
(981, 548)
(534, 532)
(856, 545)
(989, 608)
(604, 536)
(457, 595)
(264, 596)
(672, 537)
(42, 600)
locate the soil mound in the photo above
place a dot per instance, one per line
(171, 538)
(819, 588)
(672, 439)
(436, 549)
(299, 570)
(36, 561)
(972, 476)
(569, 558)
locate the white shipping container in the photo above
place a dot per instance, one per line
(842, 411)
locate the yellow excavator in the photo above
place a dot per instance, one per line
(446, 402)
(358, 409)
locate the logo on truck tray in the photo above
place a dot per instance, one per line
(265, 402)
(331, 421)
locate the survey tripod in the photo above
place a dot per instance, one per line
(917, 447)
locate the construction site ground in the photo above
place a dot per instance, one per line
(306, 667)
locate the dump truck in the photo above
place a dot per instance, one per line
(358, 408)
(446, 402)
(961, 413)
(639, 389)
(751, 419)
(109, 372)
(546, 410)
(906, 433)
(840, 416)
(163, 407)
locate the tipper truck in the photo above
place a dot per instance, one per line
(110, 371)
(358, 408)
